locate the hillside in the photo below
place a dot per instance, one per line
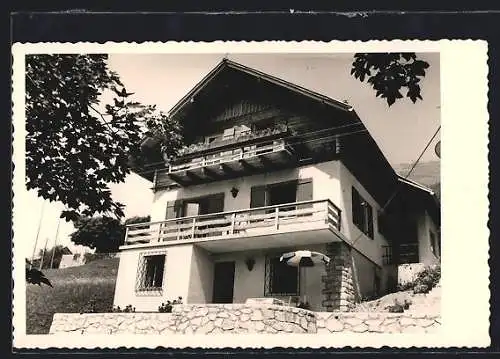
(74, 290)
(426, 173)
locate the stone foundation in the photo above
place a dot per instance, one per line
(338, 286)
(240, 319)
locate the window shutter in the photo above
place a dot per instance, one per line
(356, 207)
(369, 217)
(305, 190)
(258, 196)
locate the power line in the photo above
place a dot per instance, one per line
(407, 175)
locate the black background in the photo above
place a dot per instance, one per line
(93, 22)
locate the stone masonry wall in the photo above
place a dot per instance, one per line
(374, 322)
(192, 319)
(241, 318)
(338, 285)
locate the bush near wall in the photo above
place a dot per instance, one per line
(90, 257)
(424, 281)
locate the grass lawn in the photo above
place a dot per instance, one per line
(74, 289)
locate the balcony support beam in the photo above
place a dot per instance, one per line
(193, 176)
(209, 173)
(226, 168)
(266, 162)
(248, 167)
(176, 179)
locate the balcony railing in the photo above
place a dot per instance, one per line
(248, 222)
(233, 162)
(229, 156)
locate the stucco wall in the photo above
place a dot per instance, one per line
(372, 248)
(176, 278)
(250, 284)
(235, 319)
(325, 185)
(201, 277)
(365, 274)
(424, 225)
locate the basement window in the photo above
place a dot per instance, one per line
(150, 274)
(362, 213)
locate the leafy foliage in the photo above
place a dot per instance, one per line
(58, 252)
(128, 309)
(72, 149)
(105, 234)
(167, 307)
(424, 281)
(389, 73)
(34, 276)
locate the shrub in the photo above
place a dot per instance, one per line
(128, 309)
(90, 257)
(424, 281)
(167, 307)
(398, 307)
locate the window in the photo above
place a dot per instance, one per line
(433, 243)
(362, 214)
(150, 272)
(281, 279)
(281, 193)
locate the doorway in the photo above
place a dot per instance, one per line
(223, 288)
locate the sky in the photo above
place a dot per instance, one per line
(401, 131)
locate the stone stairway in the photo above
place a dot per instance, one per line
(429, 303)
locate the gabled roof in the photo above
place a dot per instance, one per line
(226, 64)
(432, 203)
(415, 184)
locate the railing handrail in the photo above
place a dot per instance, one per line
(201, 163)
(330, 203)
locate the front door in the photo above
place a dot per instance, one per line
(223, 282)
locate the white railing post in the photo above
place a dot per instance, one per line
(233, 220)
(276, 217)
(126, 235)
(327, 212)
(159, 232)
(193, 228)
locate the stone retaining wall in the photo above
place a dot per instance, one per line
(327, 322)
(242, 318)
(192, 319)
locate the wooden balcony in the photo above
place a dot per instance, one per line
(299, 223)
(228, 163)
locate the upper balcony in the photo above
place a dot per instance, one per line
(248, 153)
(264, 227)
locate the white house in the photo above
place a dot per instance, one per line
(273, 167)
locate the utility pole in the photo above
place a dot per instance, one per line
(43, 253)
(55, 243)
(37, 234)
